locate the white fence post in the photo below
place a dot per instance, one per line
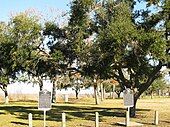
(65, 97)
(44, 118)
(156, 118)
(63, 120)
(30, 119)
(127, 122)
(97, 119)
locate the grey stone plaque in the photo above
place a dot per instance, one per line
(128, 97)
(44, 100)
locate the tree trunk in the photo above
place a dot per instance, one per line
(151, 94)
(41, 87)
(133, 109)
(6, 96)
(4, 88)
(77, 94)
(40, 83)
(77, 90)
(102, 91)
(96, 94)
(113, 90)
(53, 93)
(144, 86)
(118, 94)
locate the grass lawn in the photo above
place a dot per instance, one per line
(81, 113)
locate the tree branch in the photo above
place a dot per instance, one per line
(74, 69)
(2, 86)
(153, 75)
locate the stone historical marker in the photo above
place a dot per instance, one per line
(128, 97)
(44, 102)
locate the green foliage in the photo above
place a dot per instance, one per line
(68, 44)
(158, 84)
(25, 31)
(79, 12)
(166, 10)
(19, 43)
(107, 41)
(6, 50)
(63, 82)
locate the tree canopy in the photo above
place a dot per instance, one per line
(107, 40)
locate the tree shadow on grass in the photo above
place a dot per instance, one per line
(19, 123)
(72, 112)
(2, 113)
(117, 124)
(78, 103)
(165, 121)
(88, 112)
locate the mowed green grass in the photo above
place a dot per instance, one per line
(81, 113)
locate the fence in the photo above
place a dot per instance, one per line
(63, 122)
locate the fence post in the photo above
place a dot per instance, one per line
(63, 120)
(127, 121)
(156, 118)
(97, 119)
(30, 119)
(65, 97)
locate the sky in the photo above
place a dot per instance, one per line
(8, 7)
